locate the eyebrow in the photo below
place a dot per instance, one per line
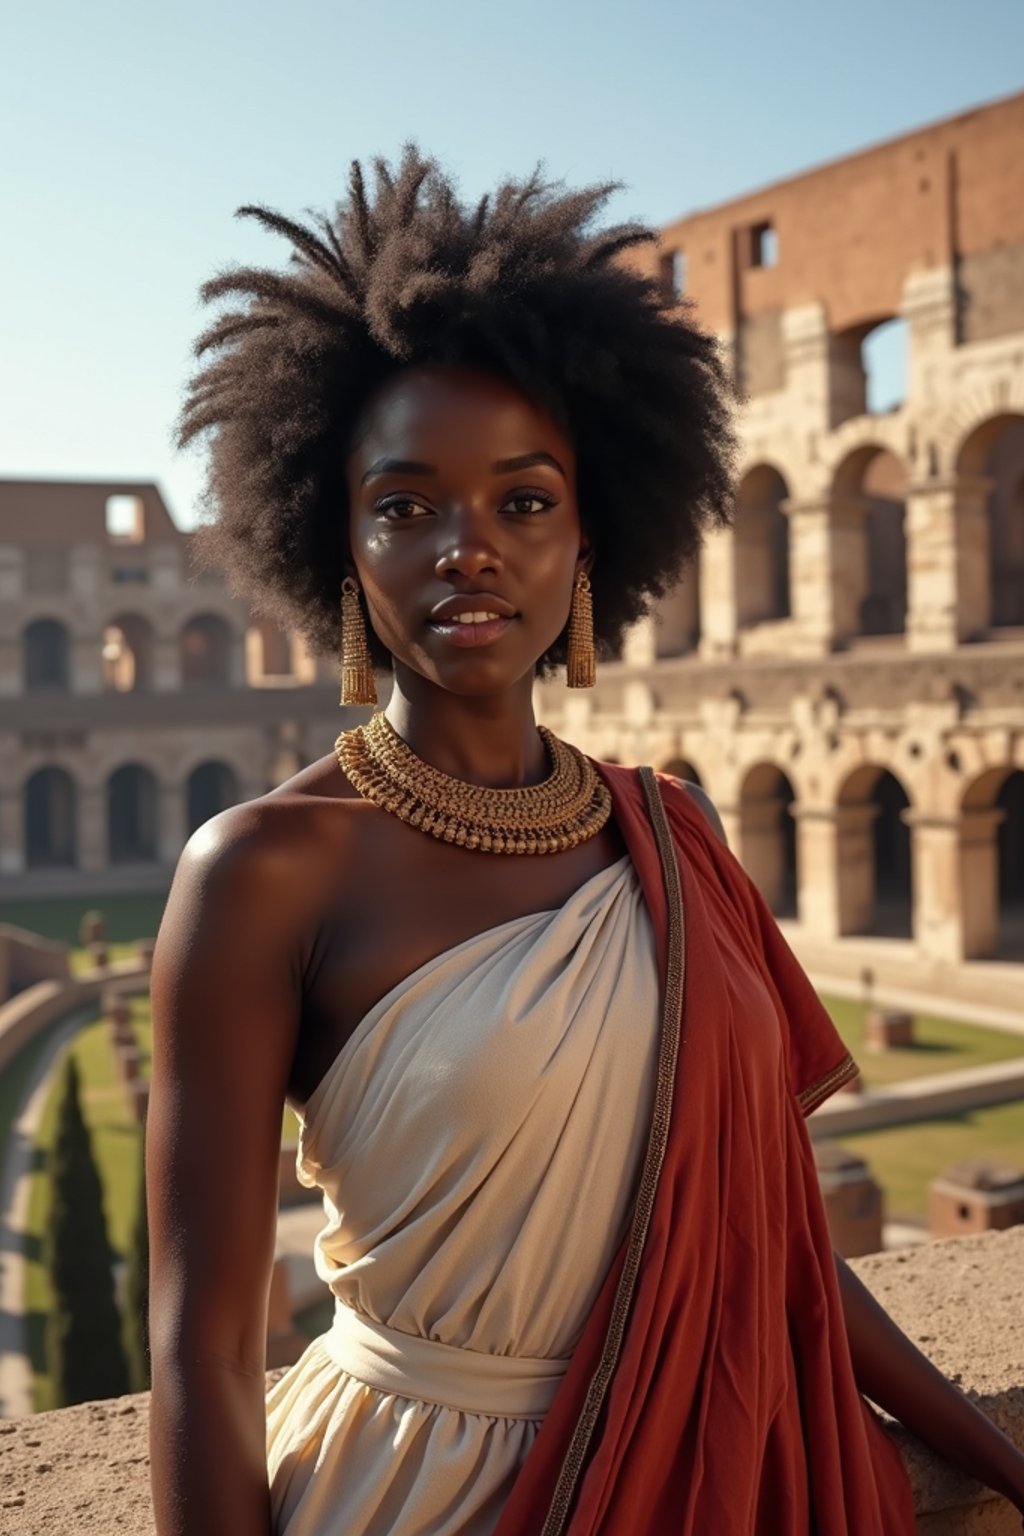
(398, 467)
(527, 461)
(502, 467)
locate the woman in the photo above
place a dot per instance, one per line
(549, 1051)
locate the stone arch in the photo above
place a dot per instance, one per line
(132, 815)
(128, 645)
(875, 856)
(992, 863)
(870, 491)
(682, 768)
(47, 655)
(211, 787)
(761, 547)
(767, 835)
(50, 819)
(1003, 396)
(205, 642)
(993, 453)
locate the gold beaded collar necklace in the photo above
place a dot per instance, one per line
(570, 806)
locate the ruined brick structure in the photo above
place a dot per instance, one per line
(137, 698)
(844, 668)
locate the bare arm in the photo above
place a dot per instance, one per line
(225, 1016)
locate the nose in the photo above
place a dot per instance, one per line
(468, 551)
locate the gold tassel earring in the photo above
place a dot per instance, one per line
(581, 661)
(357, 681)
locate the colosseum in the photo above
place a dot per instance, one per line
(137, 696)
(843, 668)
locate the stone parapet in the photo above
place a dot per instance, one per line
(85, 1469)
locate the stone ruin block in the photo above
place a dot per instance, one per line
(975, 1196)
(888, 1029)
(853, 1201)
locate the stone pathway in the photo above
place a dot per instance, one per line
(15, 1183)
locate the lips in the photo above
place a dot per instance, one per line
(461, 634)
(471, 602)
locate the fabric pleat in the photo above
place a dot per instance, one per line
(477, 1141)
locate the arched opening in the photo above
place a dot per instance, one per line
(893, 906)
(682, 768)
(884, 353)
(677, 616)
(1010, 803)
(871, 487)
(50, 820)
(761, 548)
(212, 787)
(127, 654)
(47, 655)
(995, 452)
(991, 891)
(205, 652)
(132, 815)
(875, 855)
(767, 848)
(268, 652)
(868, 369)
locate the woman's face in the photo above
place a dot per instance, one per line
(462, 494)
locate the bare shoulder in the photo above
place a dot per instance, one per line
(704, 803)
(278, 836)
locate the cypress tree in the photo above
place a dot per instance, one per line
(136, 1302)
(84, 1353)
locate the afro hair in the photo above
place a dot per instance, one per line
(520, 284)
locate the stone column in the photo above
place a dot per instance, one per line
(718, 595)
(948, 574)
(828, 571)
(835, 869)
(166, 675)
(12, 833)
(93, 842)
(172, 825)
(236, 659)
(935, 881)
(928, 305)
(12, 581)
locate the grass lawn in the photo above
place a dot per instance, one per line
(116, 1145)
(57, 917)
(116, 1141)
(940, 1045)
(905, 1158)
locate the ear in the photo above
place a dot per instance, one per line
(585, 558)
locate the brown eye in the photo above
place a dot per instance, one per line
(529, 502)
(399, 508)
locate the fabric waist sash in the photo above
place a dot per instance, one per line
(407, 1365)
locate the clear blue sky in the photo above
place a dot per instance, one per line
(131, 132)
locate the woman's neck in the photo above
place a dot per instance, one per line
(487, 740)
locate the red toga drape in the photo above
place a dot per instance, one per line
(712, 1393)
